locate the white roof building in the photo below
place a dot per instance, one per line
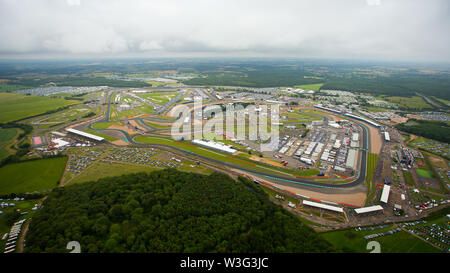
(59, 142)
(368, 209)
(322, 206)
(84, 134)
(385, 194)
(59, 134)
(215, 145)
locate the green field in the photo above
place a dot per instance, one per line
(446, 102)
(103, 125)
(314, 87)
(424, 173)
(409, 180)
(374, 109)
(159, 97)
(302, 116)
(97, 133)
(413, 103)
(36, 175)
(6, 135)
(73, 114)
(140, 110)
(157, 126)
(400, 242)
(372, 160)
(14, 106)
(101, 170)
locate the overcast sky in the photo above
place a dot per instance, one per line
(415, 30)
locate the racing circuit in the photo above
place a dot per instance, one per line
(297, 182)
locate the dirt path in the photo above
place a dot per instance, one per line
(20, 244)
(375, 140)
(267, 161)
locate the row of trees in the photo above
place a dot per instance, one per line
(168, 211)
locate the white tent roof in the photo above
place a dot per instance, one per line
(322, 206)
(81, 133)
(385, 194)
(368, 209)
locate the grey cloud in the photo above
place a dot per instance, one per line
(379, 29)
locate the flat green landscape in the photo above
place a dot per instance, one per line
(14, 106)
(424, 173)
(140, 110)
(400, 242)
(408, 178)
(6, 135)
(314, 87)
(97, 133)
(72, 114)
(372, 160)
(413, 103)
(103, 125)
(159, 97)
(157, 126)
(29, 176)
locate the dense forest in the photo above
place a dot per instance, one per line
(436, 130)
(168, 211)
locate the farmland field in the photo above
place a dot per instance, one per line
(22, 177)
(14, 106)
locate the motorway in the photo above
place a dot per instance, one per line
(291, 181)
